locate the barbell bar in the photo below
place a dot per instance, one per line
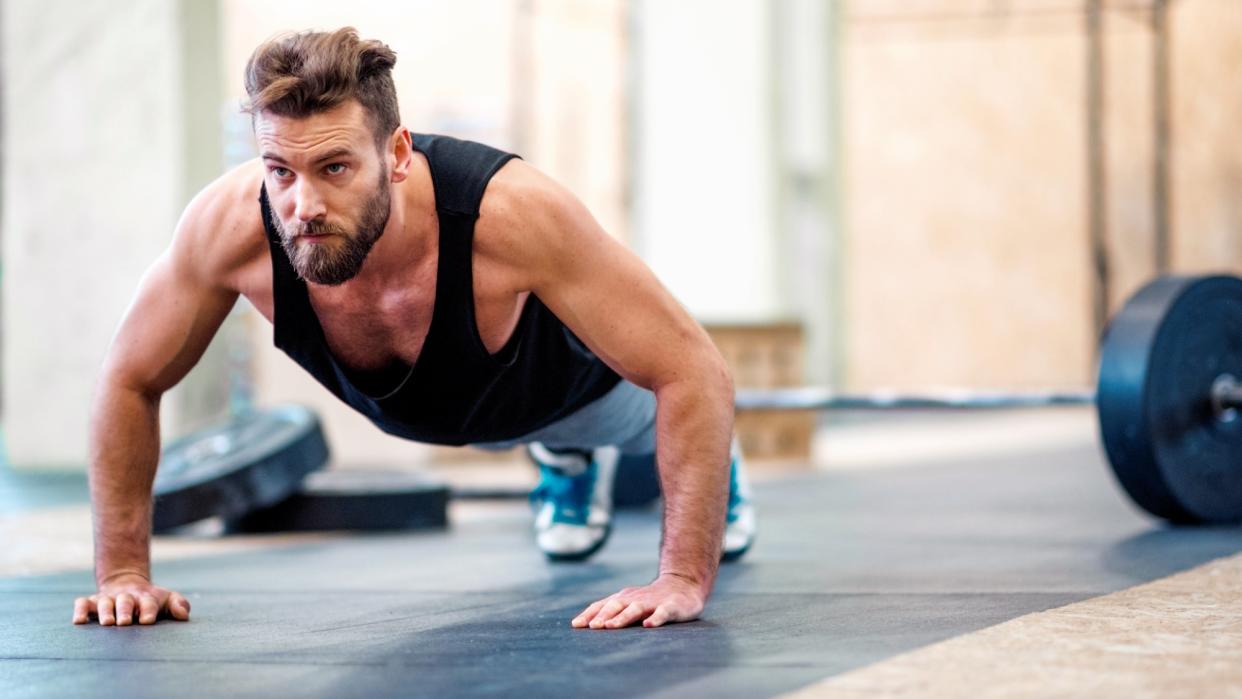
(821, 398)
(1225, 398)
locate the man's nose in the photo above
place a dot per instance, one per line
(308, 204)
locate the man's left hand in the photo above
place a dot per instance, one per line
(670, 598)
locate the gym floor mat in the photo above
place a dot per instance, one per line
(850, 568)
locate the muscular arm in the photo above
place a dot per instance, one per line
(177, 309)
(611, 301)
(162, 335)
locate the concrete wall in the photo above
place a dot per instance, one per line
(94, 130)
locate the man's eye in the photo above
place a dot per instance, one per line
(281, 172)
(335, 168)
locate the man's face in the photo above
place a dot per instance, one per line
(328, 187)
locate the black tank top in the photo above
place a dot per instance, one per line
(456, 393)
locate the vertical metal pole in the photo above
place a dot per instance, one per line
(1097, 194)
(1160, 122)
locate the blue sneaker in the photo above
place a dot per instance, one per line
(740, 517)
(573, 500)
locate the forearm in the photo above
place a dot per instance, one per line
(124, 453)
(694, 426)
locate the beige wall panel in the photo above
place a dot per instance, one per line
(1129, 143)
(965, 215)
(1206, 180)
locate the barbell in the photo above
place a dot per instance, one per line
(1167, 398)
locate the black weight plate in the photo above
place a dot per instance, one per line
(356, 500)
(1161, 355)
(637, 482)
(229, 469)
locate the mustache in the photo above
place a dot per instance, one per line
(318, 228)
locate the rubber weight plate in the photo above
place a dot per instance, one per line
(1173, 452)
(636, 483)
(353, 499)
(232, 468)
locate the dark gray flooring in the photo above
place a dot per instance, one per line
(851, 568)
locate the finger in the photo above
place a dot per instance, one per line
(658, 618)
(124, 609)
(178, 607)
(103, 603)
(82, 609)
(607, 612)
(587, 614)
(628, 616)
(148, 608)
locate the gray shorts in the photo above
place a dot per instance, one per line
(623, 417)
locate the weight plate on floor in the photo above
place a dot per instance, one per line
(232, 468)
(1173, 452)
(353, 499)
(636, 483)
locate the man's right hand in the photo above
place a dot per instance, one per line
(123, 596)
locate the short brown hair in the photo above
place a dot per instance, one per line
(297, 75)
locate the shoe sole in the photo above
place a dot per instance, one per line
(730, 556)
(578, 556)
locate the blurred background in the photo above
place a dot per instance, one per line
(857, 193)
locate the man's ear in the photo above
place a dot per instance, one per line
(401, 150)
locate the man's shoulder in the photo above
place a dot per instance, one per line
(518, 204)
(221, 229)
(520, 195)
(531, 224)
(232, 198)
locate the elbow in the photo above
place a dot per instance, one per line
(721, 377)
(710, 378)
(116, 382)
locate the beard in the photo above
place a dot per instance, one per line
(338, 259)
